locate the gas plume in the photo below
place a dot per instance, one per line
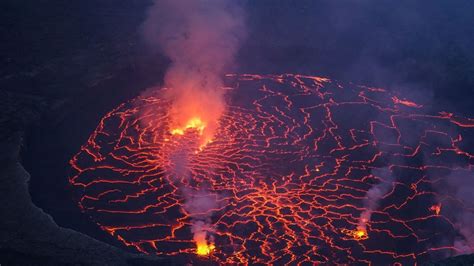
(459, 207)
(372, 199)
(199, 203)
(201, 38)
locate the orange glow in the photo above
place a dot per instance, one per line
(204, 244)
(270, 202)
(359, 234)
(436, 208)
(193, 123)
(198, 125)
(396, 100)
(195, 110)
(204, 249)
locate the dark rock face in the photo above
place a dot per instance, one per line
(13, 257)
(42, 83)
(455, 261)
(28, 236)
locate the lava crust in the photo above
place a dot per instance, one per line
(290, 167)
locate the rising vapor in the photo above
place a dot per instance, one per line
(201, 38)
(455, 192)
(373, 197)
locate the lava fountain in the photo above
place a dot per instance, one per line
(300, 169)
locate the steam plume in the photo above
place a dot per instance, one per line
(373, 196)
(201, 38)
(199, 204)
(459, 184)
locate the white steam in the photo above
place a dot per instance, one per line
(374, 195)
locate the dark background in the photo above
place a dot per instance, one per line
(80, 59)
(428, 44)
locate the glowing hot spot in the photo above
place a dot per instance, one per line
(359, 234)
(436, 208)
(198, 125)
(193, 123)
(270, 203)
(204, 249)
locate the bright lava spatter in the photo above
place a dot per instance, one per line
(290, 165)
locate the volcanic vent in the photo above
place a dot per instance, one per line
(300, 169)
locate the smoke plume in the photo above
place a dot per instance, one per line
(457, 201)
(201, 38)
(199, 203)
(374, 195)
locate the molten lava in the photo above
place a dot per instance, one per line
(193, 123)
(436, 208)
(204, 249)
(292, 163)
(360, 234)
(356, 234)
(199, 126)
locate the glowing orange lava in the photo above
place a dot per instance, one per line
(436, 208)
(204, 249)
(290, 164)
(357, 234)
(199, 126)
(193, 123)
(360, 233)
(396, 100)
